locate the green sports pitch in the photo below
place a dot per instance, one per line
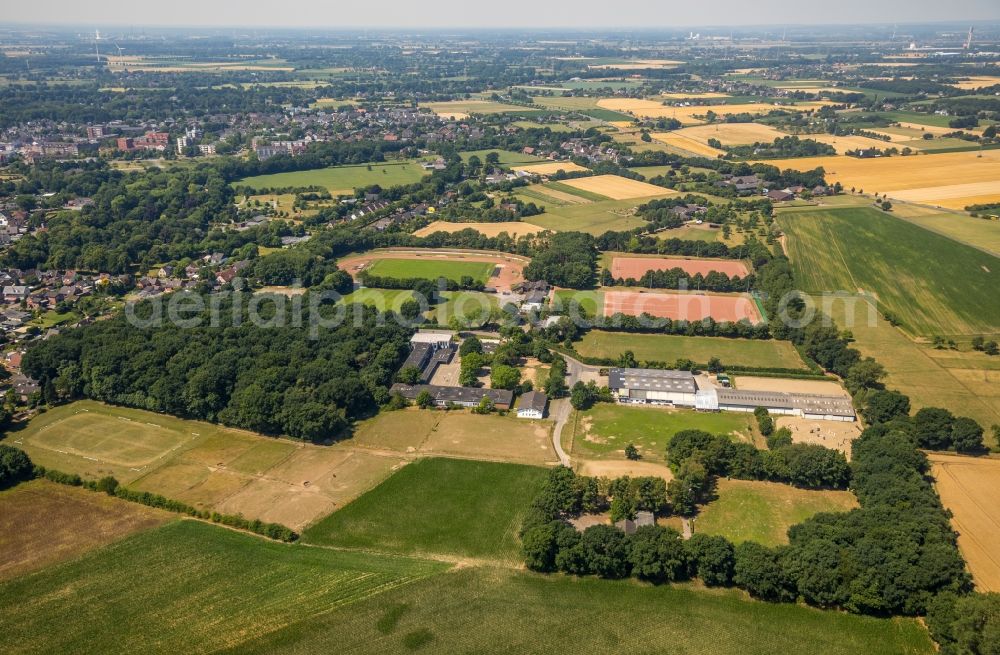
(406, 269)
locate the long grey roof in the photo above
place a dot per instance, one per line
(808, 403)
(651, 379)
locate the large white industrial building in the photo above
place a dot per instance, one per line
(680, 389)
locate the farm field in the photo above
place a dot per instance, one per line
(603, 431)
(591, 217)
(188, 583)
(496, 269)
(681, 306)
(587, 106)
(500, 611)
(626, 266)
(513, 228)
(43, 523)
(689, 115)
(548, 168)
(616, 187)
(854, 249)
(965, 484)
(976, 232)
(461, 109)
(439, 507)
(202, 464)
(730, 134)
(678, 140)
(430, 270)
(342, 180)
(977, 82)
(458, 434)
(751, 510)
(952, 180)
(668, 348)
(929, 378)
(844, 143)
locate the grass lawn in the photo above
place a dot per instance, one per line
(430, 270)
(382, 299)
(936, 286)
(476, 610)
(591, 302)
(594, 217)
(205, 465)
(506, 156)
(747, 510)
(187, 583)
(668, 348)
(53, 318)
(603, 431)
(464, 304)
(438, 506)
(342, 180)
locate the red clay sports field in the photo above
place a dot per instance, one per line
(682, 306)
(635, 267)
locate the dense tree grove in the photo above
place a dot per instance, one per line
(274, 380)
(568, 260)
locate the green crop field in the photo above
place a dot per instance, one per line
(935, 286)
(747, 510)
(440, 506)
(591, 217)
(668, 348)
(430, 270)
(341, 180)
(476, 610)
(977, 232)
(573, 191)
(603, 431)
(187, 584)
(957, 381)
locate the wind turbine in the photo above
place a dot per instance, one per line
(121, 60)
(97, 45)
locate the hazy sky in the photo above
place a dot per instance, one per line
(497, 13)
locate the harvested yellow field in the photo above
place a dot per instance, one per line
(844, 143)
(732, 134)
(548, 168)
(616, 187)
(514, 228)
(936, 131)
(966, 485)
(639, 64)
(694, 96)
(954, 196)
(947, 179)
(687, 115)
(679, 140)
(977, 82)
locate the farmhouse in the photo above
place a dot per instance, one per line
(461, 396)
(532, 405)
(680, 389)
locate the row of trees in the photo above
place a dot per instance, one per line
(677, 278)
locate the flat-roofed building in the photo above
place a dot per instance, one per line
(653, 386)
(811, 406)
